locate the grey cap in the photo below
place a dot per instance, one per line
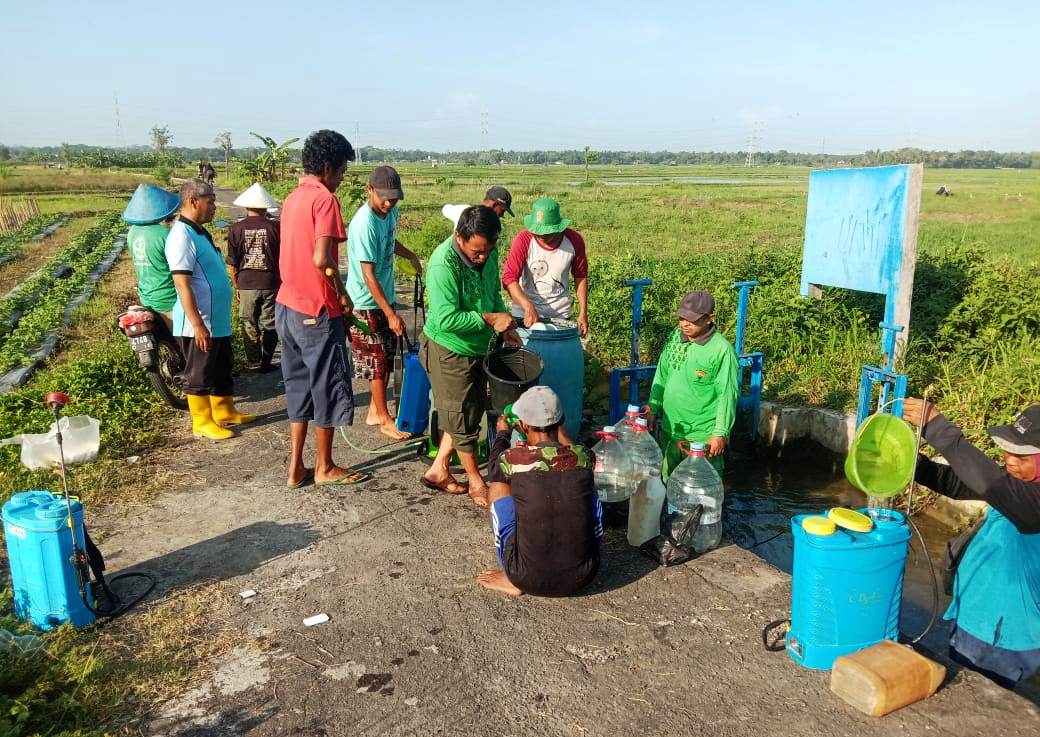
(500, 195)
(538, 407)
(386, 182)
(696, 305)
(1021, 437)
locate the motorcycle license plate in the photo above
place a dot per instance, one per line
(142, 343)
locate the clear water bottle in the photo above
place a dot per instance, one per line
(644, 507)
(624, 429)
(694, 482)
(613, 471)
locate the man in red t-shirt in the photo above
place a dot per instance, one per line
(311, 306)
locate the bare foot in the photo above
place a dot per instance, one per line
(389, 428)
(497, 581)
(479, 495)
(340, 476)
(447, 484)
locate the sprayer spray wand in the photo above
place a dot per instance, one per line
(910, 511)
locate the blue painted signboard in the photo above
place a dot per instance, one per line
(861, 233)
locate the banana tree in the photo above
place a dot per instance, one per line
(259, 169)
(278, 154)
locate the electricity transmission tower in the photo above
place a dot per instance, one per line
(357, 141)
(484, 131)
(119, 126)
(756, 131)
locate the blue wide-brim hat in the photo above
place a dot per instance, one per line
(150, 204)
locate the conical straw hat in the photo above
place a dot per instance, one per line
(256, 198)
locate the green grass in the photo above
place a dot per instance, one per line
(32, 179)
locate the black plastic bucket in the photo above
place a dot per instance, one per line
(511, 372)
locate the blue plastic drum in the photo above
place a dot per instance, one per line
(564, 367)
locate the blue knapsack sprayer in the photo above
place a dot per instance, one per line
(51, 556)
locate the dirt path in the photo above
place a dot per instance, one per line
(415, 647)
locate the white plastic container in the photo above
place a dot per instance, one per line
(80, 435)
(613, 471)
(644, 507)
(695, 481)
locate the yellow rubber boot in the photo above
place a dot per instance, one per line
(224, 412)
(202, 424)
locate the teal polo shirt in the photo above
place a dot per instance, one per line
(190, 250)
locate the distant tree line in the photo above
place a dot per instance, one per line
(145, 157)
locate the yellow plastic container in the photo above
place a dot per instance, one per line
(885, 677)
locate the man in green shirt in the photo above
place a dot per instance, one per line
(695, 387)
(150, 213)
(466, 311)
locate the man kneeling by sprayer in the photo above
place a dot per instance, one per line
(202, 315)
(996, 591)
(545, 512)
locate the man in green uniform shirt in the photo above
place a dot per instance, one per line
(695, 387)
(150, 213)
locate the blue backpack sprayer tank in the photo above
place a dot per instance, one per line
(50, 553)
(847, 578)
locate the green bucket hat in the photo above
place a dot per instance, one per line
(545, 217)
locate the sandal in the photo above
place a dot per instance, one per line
(443, 486)
(348, 479)
(307, 480)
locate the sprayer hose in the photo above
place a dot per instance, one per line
(386, 449)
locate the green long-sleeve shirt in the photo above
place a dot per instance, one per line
(696, 387)
(459, 295)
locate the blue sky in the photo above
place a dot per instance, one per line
(836, 76)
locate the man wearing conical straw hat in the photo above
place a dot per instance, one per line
(253, 248)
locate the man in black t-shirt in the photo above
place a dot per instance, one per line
(253, 245)
(546, 515)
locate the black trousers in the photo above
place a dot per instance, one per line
(208, 373)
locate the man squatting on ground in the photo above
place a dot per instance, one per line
(253, 250)
(540, 263)
(996, 591)
(310, 309)
(202, 315)
(545, 512)
(465, 313)
(151, 213)
(371, 246)
(694, 392)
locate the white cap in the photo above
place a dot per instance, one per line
(256, 198)
(538, 407)
(633, 409)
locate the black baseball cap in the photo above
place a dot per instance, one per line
(386, 182)
(1021, 437)
(696, 305)
(500, 195)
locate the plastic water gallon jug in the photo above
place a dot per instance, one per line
(563, 361)
(695, 482)
(615, 480)
(624, 428)
(39, 546)
(847, 584)
(645, 505)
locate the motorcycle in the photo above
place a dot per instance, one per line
(157, 351)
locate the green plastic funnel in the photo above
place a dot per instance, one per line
(882, 457)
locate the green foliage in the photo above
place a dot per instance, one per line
(12, 242)
(41, 299)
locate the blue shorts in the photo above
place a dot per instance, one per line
(315, 368)
(503, 523)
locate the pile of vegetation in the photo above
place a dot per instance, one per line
(40, 300)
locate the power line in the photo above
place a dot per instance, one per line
(756, 129)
